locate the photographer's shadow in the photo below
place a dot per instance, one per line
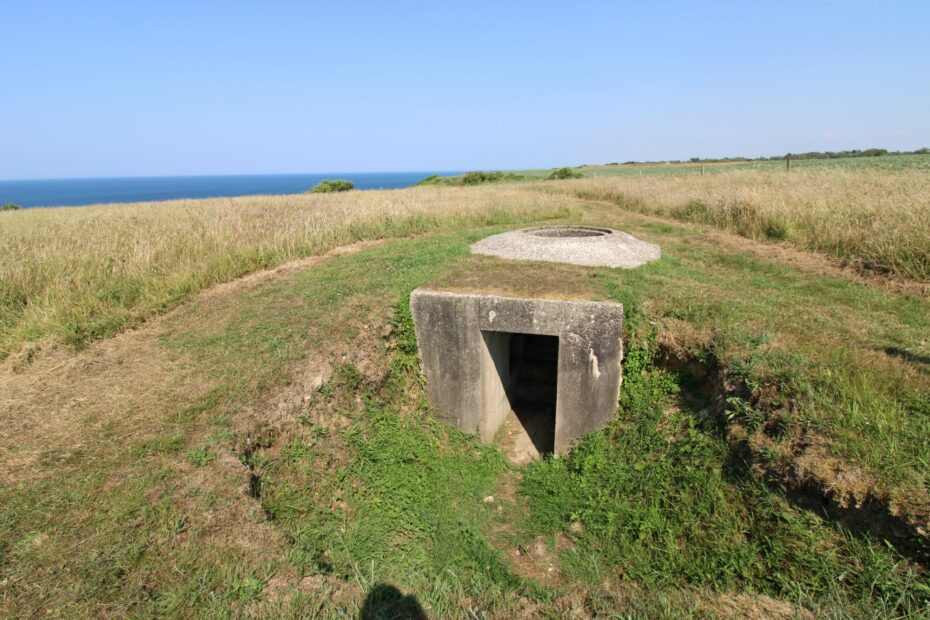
(386, 602)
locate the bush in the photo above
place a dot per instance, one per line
(477, 177)
(564, 173)
(332, 185)
(10, 207)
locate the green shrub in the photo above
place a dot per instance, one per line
(10, 207)
(332, 185)
(478, 177)
(564, 173)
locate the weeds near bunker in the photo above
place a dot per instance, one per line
(650, 499)
(651, 493)
(394, 494)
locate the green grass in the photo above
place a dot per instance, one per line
(390, 496)
(393, 455)
(656, 498)
(199, 457)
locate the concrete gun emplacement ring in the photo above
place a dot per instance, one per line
(578, 245)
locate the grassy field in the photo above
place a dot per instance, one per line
(264, 449)
(886, 162)
(76, 275)
(874, 219)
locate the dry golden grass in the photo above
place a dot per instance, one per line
(76, 274)
(73, 275)
(877, 219)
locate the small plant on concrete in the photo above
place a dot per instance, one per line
(564, 173)
(332, 185)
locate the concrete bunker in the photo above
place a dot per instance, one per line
(554, 364)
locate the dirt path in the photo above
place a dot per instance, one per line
(57, 409)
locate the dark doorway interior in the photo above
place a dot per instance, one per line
(532, 386)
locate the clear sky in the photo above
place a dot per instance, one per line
(163, 88)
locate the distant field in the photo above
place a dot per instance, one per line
(886, 162)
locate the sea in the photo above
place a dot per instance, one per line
(76, 192)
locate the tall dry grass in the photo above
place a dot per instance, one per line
(75, 274)
(877, 219)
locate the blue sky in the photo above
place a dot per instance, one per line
(165, 88)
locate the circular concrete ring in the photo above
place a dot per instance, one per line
(578, 245)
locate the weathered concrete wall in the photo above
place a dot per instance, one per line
(463, 347)
(494, 380)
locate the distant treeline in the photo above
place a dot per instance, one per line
(875, 152)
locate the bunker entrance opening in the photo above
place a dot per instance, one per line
(528, 366)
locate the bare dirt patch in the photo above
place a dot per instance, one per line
(56, 408)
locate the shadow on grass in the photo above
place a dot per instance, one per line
(907, 356)
(386, 602)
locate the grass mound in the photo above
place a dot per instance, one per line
(347, 494)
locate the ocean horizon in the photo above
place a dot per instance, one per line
(87, 191)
